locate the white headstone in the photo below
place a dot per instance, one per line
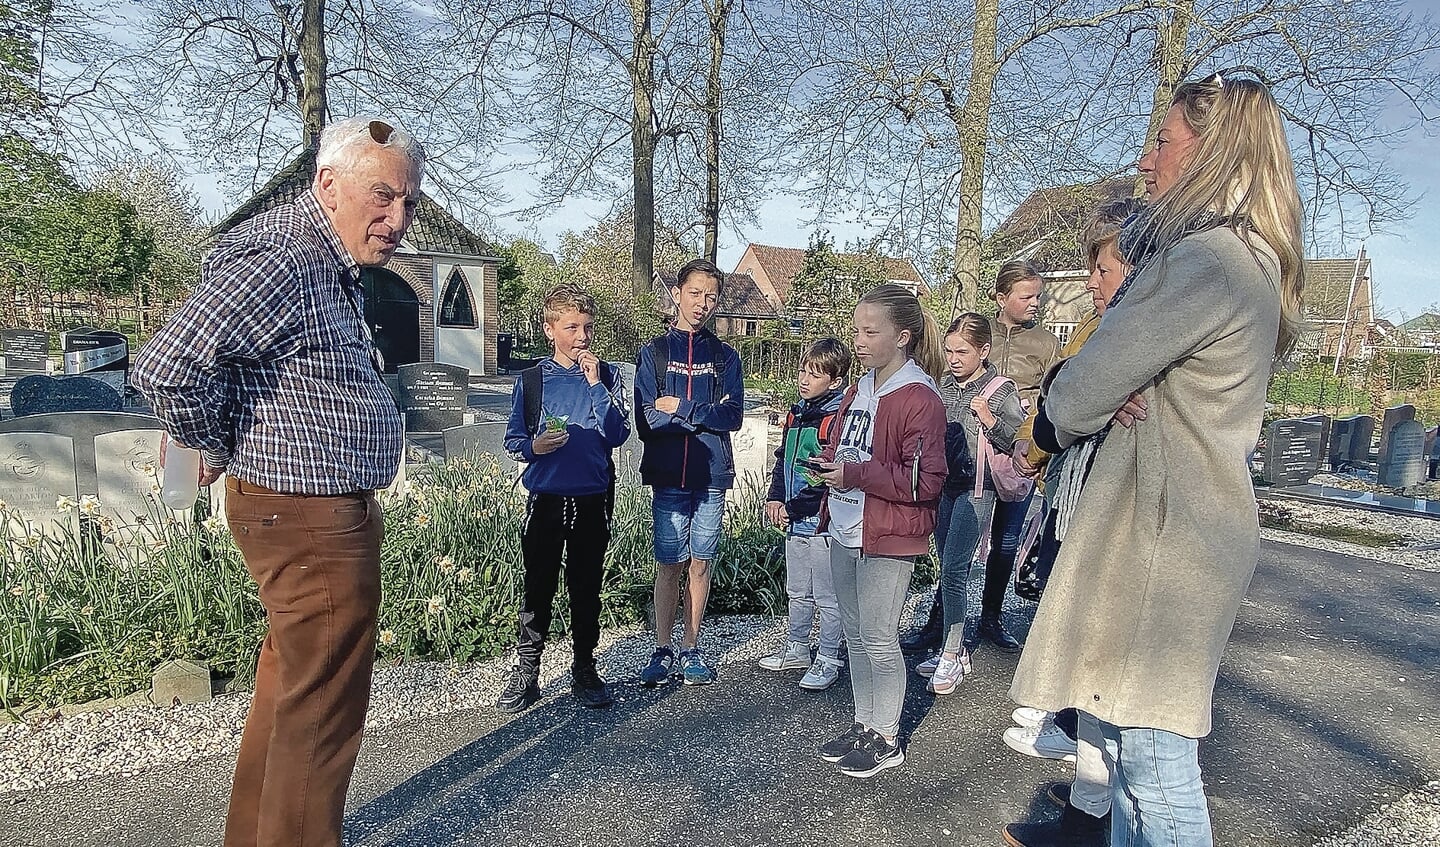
(36, 470)
(751, 446)
(127, 473)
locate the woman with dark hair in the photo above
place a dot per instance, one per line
(1165, 537)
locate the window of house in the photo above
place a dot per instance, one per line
(1062, 331)
(456, 308)
(797, 326)
(752, 327)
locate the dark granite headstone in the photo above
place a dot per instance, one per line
(1403, 463)
(97, 350)
(433, 396)
(1350, 442)
(25, 350)
(1393, 416)
(1325, 422)
(1292, 451)
(1434, 453)
(38, 395)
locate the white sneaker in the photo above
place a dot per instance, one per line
(927, 667)
(794, 656)
(1030, 716)
(822, 673)
(949, 673)
(1045, 741)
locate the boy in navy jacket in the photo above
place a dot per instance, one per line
(566, 435)
(689, 397)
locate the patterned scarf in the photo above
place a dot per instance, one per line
(1138, 245)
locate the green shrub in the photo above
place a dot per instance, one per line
(88, 608)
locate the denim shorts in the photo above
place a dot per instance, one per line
(687, 524)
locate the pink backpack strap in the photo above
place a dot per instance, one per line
(982, 461)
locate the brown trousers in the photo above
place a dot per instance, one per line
(317, 563)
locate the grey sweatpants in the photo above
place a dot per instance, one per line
(812, 592)
(871, 591)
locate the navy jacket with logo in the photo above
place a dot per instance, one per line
(691, 448)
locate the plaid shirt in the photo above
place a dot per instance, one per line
(266, 369)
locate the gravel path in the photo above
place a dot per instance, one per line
(127, 741)
(1421, 536)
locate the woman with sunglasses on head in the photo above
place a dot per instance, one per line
(1165, 539)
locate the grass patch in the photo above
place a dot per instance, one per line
(1348, 534)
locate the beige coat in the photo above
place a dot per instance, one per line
(1148, 582)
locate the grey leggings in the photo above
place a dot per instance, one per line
(871, 591)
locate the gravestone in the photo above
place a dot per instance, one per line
(38, 395)
(1393, 416)
(1293, 450)
(127, 473)
(180, 681)
(1434, 472)
(82, 430)
(1403, 463)
(473, 440)
(433, 396)
(36, 469)
(1350, 442)
(627, 455)
(1325, 422)
(753, 459)
(25, 351)
(97, 350)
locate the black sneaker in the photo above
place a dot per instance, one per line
(1073, 829)
(588, 687)
(991, 629)
(874, 755)
(521, 691)
(835, 750)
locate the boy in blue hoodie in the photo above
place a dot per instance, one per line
(568, 415)
(689, 397)
(794, 504)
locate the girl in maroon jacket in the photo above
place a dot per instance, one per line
(884, 469)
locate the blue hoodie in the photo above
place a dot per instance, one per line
(691, 448)
(595, 418)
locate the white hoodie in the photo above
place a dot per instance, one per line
(847, 506)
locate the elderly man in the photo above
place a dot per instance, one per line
(270, 371)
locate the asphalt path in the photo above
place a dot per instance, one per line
(1324, 711)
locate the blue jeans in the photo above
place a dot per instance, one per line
(957, 534)
(1156, 797)
(687, 524)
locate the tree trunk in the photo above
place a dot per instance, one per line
(314, 105)
(719, 13)
(1172, 36)
(642, 145)
(972, 127)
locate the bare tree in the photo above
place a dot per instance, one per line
(923, 91)
(1352, 79)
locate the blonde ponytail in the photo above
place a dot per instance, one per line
(926, 345)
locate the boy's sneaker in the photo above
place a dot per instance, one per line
(837, 748)
(521, 690)
(588, 686)
(1030, 716)
(1046, 741)
(694, 668)
(874, 755)
(662, 662)
(794, 656)
(949, 673)
(822, 674)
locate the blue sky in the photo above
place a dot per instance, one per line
(1404, 260)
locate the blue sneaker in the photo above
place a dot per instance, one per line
(658, 671)
(694, 668)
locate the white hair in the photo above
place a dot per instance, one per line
(342, 143)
